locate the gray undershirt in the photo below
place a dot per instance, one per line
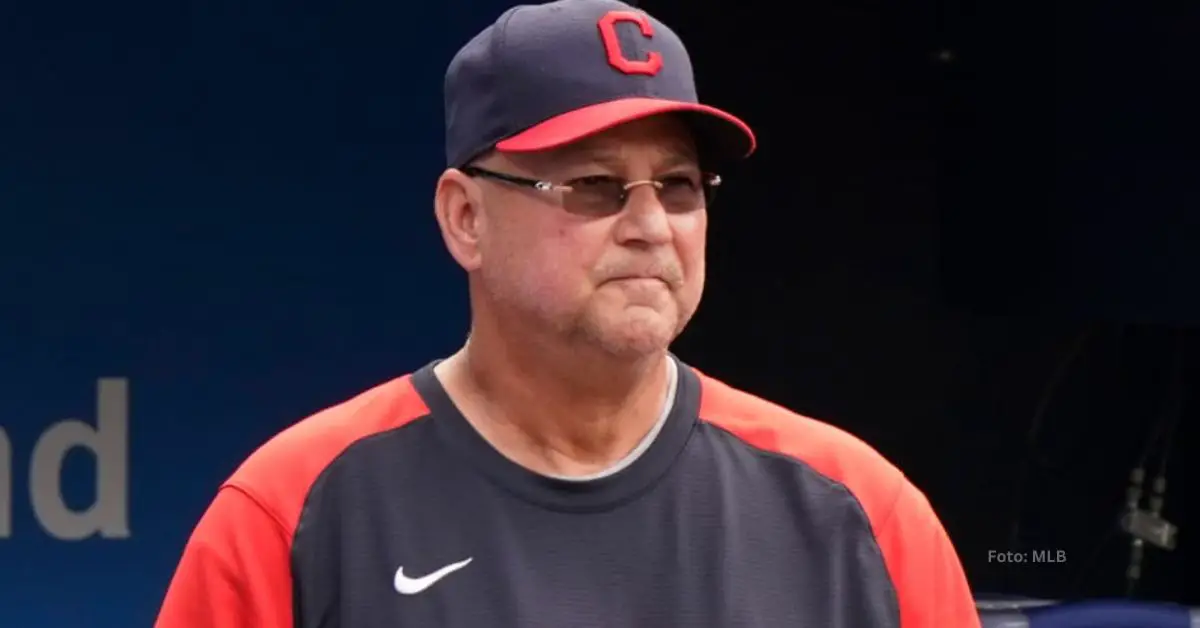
(647, 440)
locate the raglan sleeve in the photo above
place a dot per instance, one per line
(929, 579)
(235, 569)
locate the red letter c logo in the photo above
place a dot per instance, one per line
(608, 34)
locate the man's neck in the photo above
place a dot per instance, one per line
(553, 411)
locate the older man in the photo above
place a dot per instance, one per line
(563, 469)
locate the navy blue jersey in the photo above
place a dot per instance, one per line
(390, 510)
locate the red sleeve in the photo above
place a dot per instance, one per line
(235, 571)
(930, 583)
(236, 568)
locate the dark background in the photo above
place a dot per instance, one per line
(968, 218)
(964, 222)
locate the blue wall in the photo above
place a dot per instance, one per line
(227, 206)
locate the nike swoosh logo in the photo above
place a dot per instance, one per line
(411, 586)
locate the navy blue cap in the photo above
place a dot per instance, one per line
(546, 75)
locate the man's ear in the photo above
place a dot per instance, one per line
(457, 205)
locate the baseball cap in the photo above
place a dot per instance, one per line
(546, 75)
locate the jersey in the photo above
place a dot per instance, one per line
(390, 510)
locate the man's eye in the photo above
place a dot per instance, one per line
(680, 181)
(598, 180)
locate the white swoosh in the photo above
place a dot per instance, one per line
(411, 586)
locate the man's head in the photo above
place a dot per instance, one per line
(575, 195)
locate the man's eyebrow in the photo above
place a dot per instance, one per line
(589, 154)
(612, 159)
(679, 160)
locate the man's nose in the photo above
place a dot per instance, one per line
(644, 218)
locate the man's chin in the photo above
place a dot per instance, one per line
(636, 337)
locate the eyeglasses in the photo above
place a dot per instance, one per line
(603, 195)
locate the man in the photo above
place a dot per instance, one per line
(563, 469)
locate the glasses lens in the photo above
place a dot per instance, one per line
(710, 190)
(603, 196)
(595, 196)
(683, 193)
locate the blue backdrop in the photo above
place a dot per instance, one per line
(226, 207)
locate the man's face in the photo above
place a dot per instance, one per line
(626, 281)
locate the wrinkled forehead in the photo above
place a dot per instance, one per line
(656, 140)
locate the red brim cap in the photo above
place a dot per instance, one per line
(717, 131)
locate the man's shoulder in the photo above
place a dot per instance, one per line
(279, 474)
(826, 449)
(920, 560)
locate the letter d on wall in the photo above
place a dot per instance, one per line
(109, 441)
